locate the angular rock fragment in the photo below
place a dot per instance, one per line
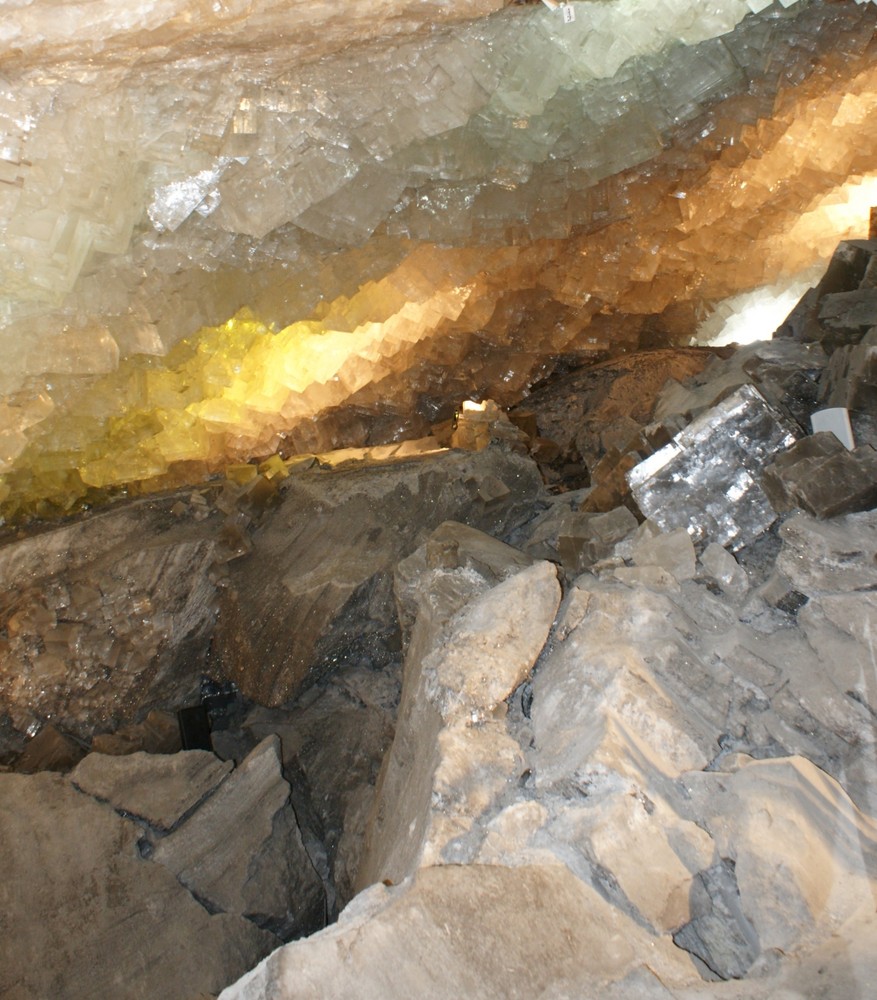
(719, 933)
(49, 750)
(848, 315)
(472, 641)
(601, 679)
(672, 551)
(586, 537)
(819, 475)
(719, 458)
(724, 569)
(478, 424)
(241, 852)
(610, 483)
(157, 788)
(621, 830)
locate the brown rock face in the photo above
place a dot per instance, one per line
(103, 618)
(316, 589)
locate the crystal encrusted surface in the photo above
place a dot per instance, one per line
(440, 211)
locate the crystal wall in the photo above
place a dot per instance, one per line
(245, 227)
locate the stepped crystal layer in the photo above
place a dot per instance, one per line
(421, 216)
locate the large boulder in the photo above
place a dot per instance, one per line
(472, 641)
(84, 914)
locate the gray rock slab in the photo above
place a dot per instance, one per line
(242, 852)
(83, 915)
(157, 788)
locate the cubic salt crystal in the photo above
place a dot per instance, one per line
(719, 457)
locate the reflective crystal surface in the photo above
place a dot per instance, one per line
(708, 479)
(449, 205)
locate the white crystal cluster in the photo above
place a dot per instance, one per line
(162, 166)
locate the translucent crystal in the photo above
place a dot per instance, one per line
(429, 210)
(707, 480)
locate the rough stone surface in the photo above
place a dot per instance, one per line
(159, 789)
(104, 617)
(440, 925)
(837, 555)
(473, 641)
(315, 592)
(242, 852)
(83, 915)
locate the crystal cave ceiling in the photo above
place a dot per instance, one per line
(244, 228)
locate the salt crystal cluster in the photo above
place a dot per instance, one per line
(406, 218)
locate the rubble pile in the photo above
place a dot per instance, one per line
(689, 736)
(502, 737)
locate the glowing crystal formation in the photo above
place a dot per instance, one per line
(413, 218)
